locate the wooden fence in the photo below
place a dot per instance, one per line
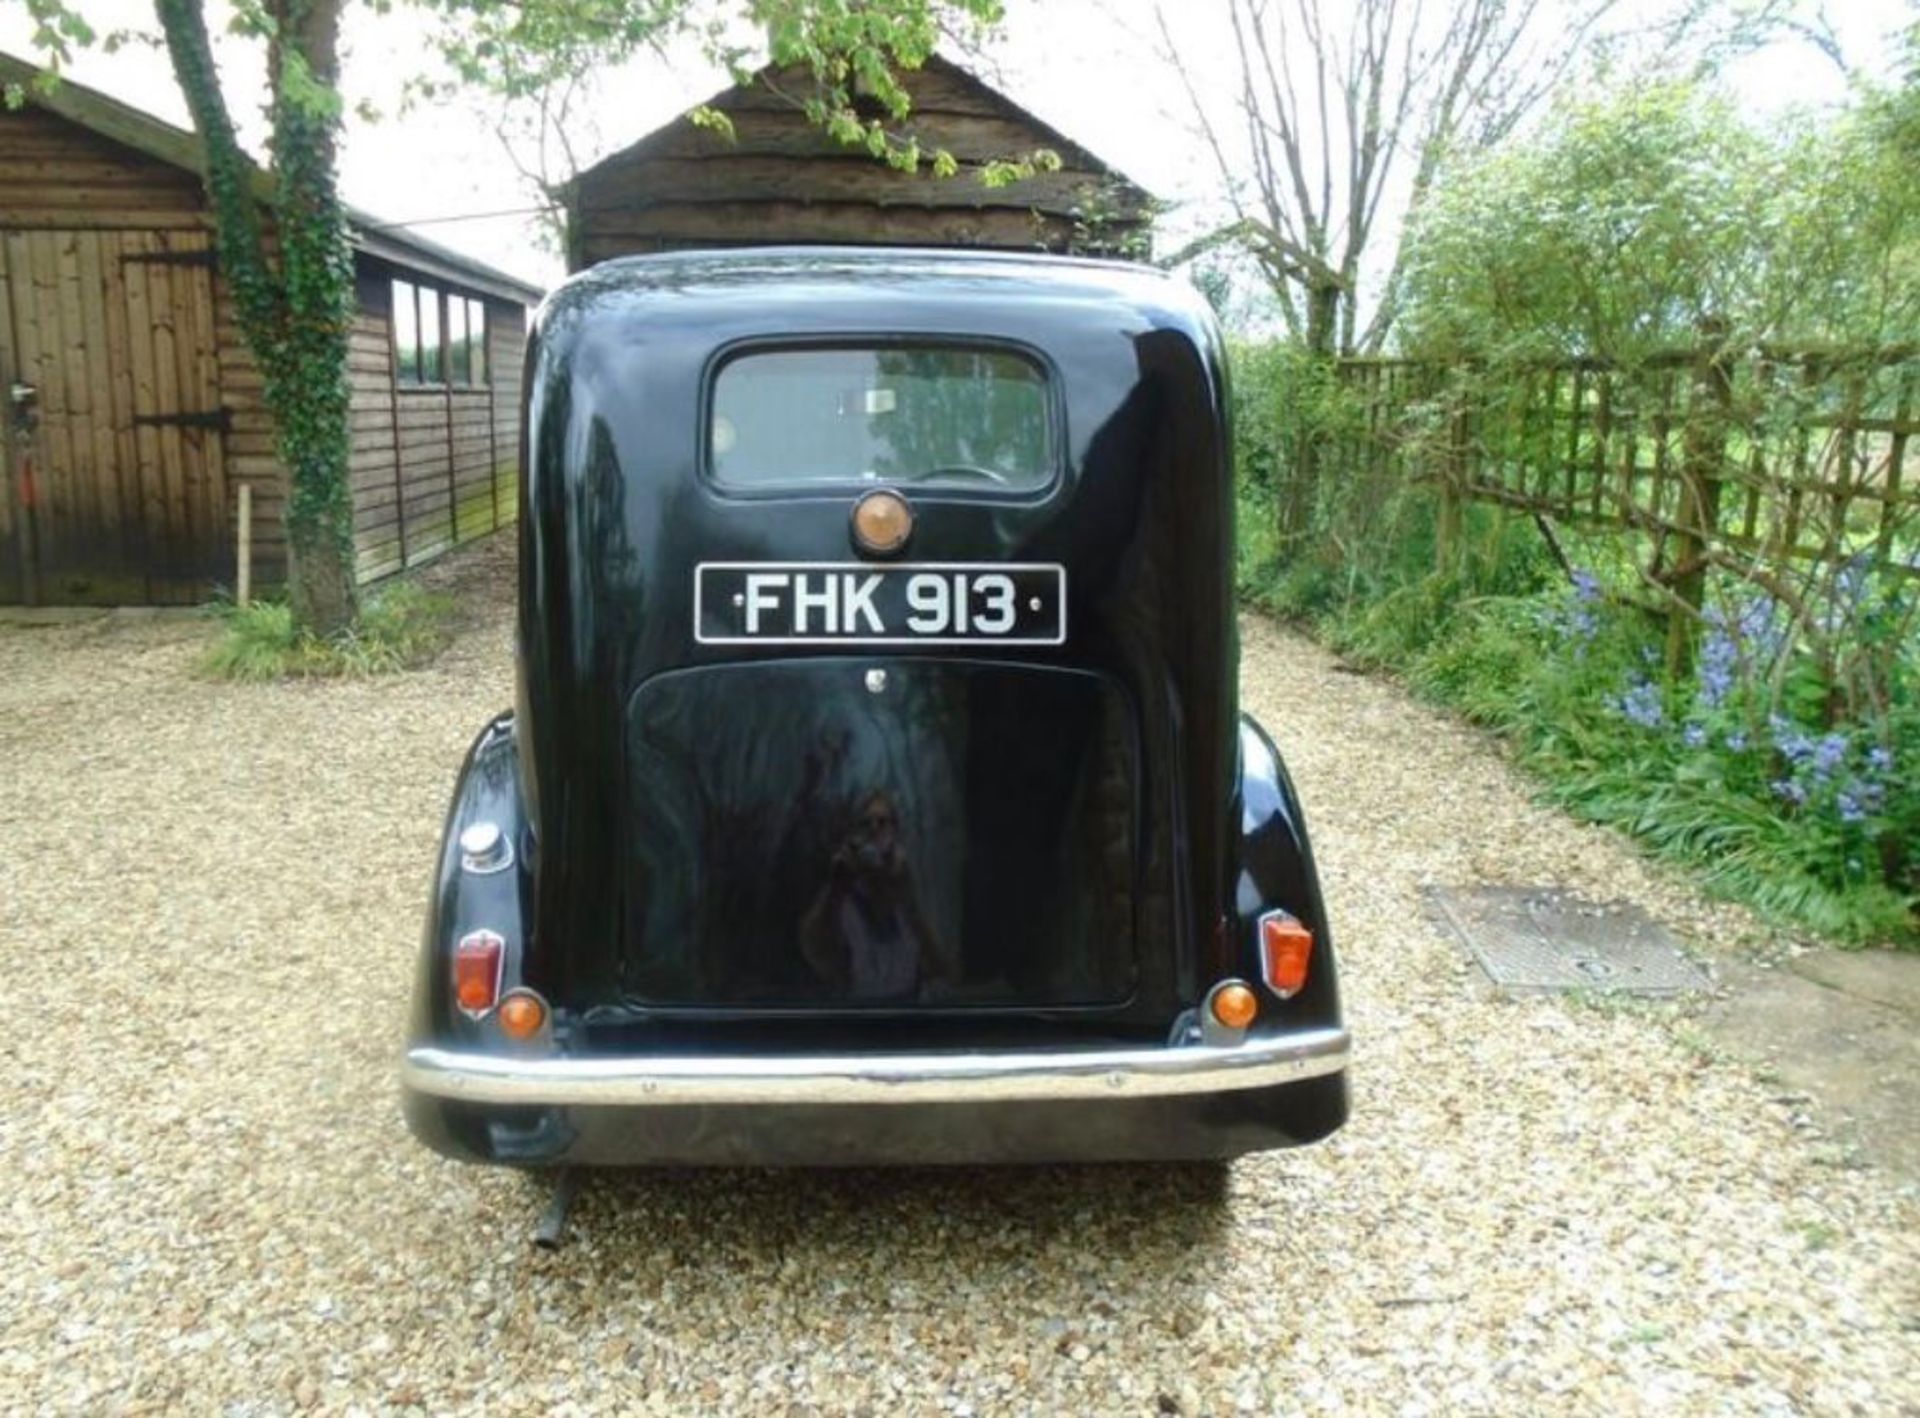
(1777, 466)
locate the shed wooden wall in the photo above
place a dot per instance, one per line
(782, 180)
(433, 466)
(54, 173)
(92, 226)
(108, 308)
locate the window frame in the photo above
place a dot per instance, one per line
(479, 373)
(1053, 388)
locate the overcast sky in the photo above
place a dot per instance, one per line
(1086, 66)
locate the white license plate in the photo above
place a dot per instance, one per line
(859, 603)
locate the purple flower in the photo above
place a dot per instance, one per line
(1879, 759)
(1794, 745)
(1790, 790)
(1640, 704)
(1757, 633)
(1578, 622)
(1719, 659)
(1694, 736)
(1828, 754)
(1850, 807)
(1737, 741)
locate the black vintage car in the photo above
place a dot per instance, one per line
(877, 790)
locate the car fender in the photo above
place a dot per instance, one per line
(466, 898)
(1276, 871)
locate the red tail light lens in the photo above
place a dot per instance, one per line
(1286, 950)
(477, 961)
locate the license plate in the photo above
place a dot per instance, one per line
(836, 603)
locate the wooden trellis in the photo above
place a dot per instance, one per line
(1769, 464)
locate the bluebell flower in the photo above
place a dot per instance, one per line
(1850, 808)
(1641, 705)
(1828, 754)
(1586, 586)
(1790, 790)
(1757, 630)
(1694, 736)
(1880, 759)
(1737, 741)
(1794, 745)
(1719, 660)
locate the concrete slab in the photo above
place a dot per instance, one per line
(1853, 1056)
(1885, 977)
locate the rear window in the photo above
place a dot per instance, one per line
(953, 417)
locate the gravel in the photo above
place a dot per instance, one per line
(208, 902)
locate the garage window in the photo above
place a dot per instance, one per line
(439, 337)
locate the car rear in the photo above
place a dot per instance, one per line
(877, 783)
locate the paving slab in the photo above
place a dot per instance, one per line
(1853, 1058)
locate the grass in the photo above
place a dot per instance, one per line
(401, 628)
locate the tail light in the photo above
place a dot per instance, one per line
(1233, 1005)
(1286, 950)
(522, 1014)
(477, 962)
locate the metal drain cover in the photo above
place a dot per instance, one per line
(1531, 938)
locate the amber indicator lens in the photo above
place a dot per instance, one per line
(522, 1015)
(1286, 950)
(476, 971)
(882, 522)
(1234, 1005)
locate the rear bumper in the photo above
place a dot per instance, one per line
(1024, 1076)
(1039, 1105)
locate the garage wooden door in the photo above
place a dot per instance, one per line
(115, 484)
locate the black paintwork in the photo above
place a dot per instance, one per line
(1026, 845)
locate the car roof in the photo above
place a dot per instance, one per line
(922, 271)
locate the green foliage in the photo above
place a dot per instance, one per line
(1637, 214)
(854, 51)
(1765, 770)
(400, 629)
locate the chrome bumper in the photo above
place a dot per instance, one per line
(1260, 1062)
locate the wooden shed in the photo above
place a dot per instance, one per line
(779, 179)
(133, 410)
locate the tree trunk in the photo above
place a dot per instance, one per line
(1323, 319)
(1302, 492)
(307, 393)
(294, 309)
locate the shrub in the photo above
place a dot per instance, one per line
(401, 628)
(1784, 765)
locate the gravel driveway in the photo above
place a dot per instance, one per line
(208, 902)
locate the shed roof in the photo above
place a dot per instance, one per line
(1072, 153)
(777, 176)
(163, 141)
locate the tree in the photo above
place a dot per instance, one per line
(1332, 118)
(1342, 107)
(1636, 217)
(282, 235)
